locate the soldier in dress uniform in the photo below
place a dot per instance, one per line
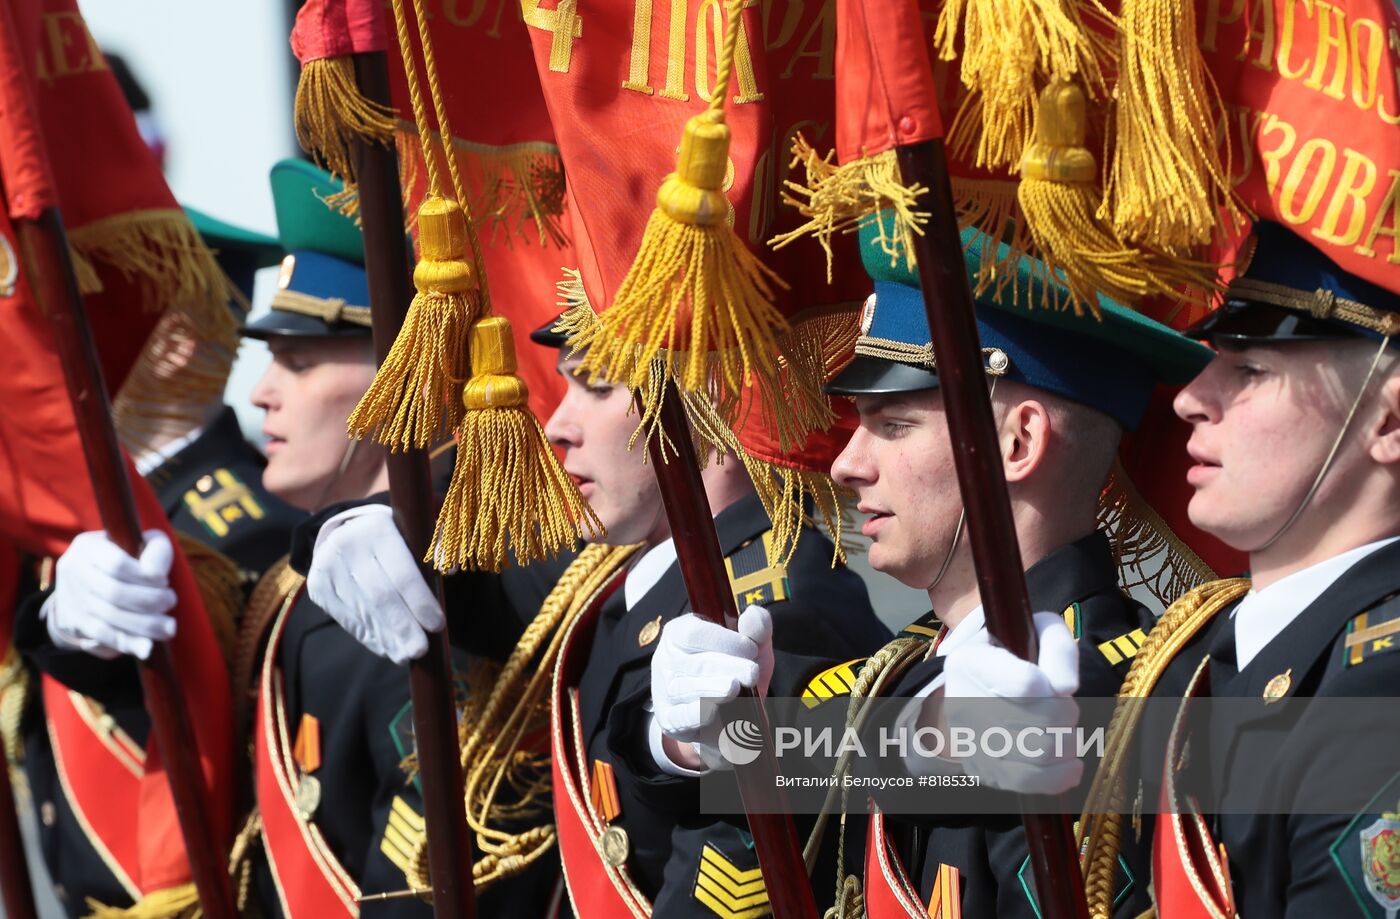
(186, 442)
(1063, 390)
(1296, 440)
(631, 836)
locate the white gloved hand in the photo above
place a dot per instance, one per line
(698, 665)
(365, 578)
(107, 603)
(987, 686)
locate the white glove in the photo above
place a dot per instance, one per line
(107, 603)
(698, 665)
(364, 577)
(1032, 696)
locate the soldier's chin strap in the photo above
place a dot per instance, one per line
(962, 518)
(344, 465)
(1336, 447)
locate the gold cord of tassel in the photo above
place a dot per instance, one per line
(1060, 198)
(695, 294)
(180, 902)
(1167, 186)
(412, 401)
(332, 115)
(507, 486)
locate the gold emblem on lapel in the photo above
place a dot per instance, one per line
(308, 796)
(614, 846)
(1278, 686)
(649, 632)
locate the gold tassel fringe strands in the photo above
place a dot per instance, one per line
(1059, 197)
(507, 487)
(841, 198)
(695, 295)
(332, 115)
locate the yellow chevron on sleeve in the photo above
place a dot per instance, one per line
(1124, 647)
(832, 682)
(728, 891)
(402, 834)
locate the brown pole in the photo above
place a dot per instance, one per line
(411, 494)
(49, 269)
(707, 585)
(15, 888)
(991, 530)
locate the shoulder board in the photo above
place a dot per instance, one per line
(1124, 647)
(752, 578)
(221, 501)
(832, 683)
(727, 890)
(1075, 620)
(926, 627)
(1374, 632)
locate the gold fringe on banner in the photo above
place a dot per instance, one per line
(841, 198)
(1148, 554)
(1167, 186)
(177, 377)
(332, 115)
(507, 486)
(180, 902)
(1005, 46)
(1060, 198)
(163, 251)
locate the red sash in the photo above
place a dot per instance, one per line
(310, 881)
(889, 894)
(597, 889)
(104, 790)
(1190, 873)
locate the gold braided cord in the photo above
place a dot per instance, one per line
(332, 116)
(516, 706)
(327, 309)
(1100, 825)
(876, 673)
(220, 583)
(1320, 304)
(14, 693)
(1146, 551)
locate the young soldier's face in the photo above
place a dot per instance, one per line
(308, 391)
(1263, 420)
(900, 464)
(593, 425)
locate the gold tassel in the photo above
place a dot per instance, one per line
(413, 399)
(180, 902)
(1167, 187)
(332, 116)
(842, 198)
(507, 485)
(1060, 199)
(1006, 45)
(691, 266)
(163, 252)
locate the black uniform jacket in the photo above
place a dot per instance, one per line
(212, 491)
(1270, 757)
(820, 615)
(370, 813)
(989, 852)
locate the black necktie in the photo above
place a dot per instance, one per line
(1224, 665)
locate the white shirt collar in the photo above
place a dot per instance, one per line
(1263, 614)
(973, 623)
(152, 460)
(643, 575)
